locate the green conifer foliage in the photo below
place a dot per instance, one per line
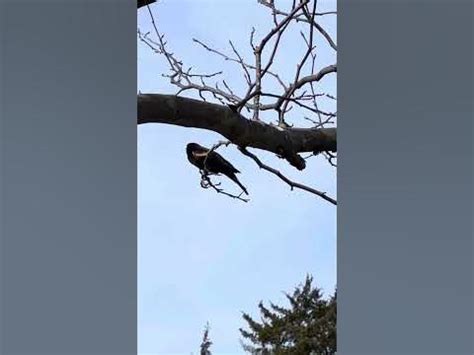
(306, 327)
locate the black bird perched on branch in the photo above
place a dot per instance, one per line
(212, 162)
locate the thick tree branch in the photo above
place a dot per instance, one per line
(141, 3)
(285, 142)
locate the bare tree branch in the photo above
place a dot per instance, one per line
(305, 80)
(304, 18)
(249, 66)
(256, 86)
(270, 4)
(283, 139)
(183, 78)
(292, 184)
(186, 112)
(141, 3)
(207, 183)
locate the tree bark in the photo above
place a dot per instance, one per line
(186, 112)
(141, 3)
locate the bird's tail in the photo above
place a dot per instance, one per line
(234, 179)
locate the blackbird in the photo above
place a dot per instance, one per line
(215, 163)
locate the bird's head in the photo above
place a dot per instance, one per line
(191, 147)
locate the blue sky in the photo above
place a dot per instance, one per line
(202, 256)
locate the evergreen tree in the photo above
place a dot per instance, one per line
(206, 342)
(307, 327)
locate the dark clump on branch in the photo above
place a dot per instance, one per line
(141, 3)
(212, 162)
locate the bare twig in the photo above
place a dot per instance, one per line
(304, 18)
(271, 5)
(310, 19)
(305, 80)
(241, 62)
(297, 101)
(330, 158)
(237, 60)
(255, 88)
(299, 67)
(206, 180)
(181, 77)
(207, 183)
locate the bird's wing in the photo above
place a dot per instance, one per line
(219, 160)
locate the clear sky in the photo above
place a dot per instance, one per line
(203, 256)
